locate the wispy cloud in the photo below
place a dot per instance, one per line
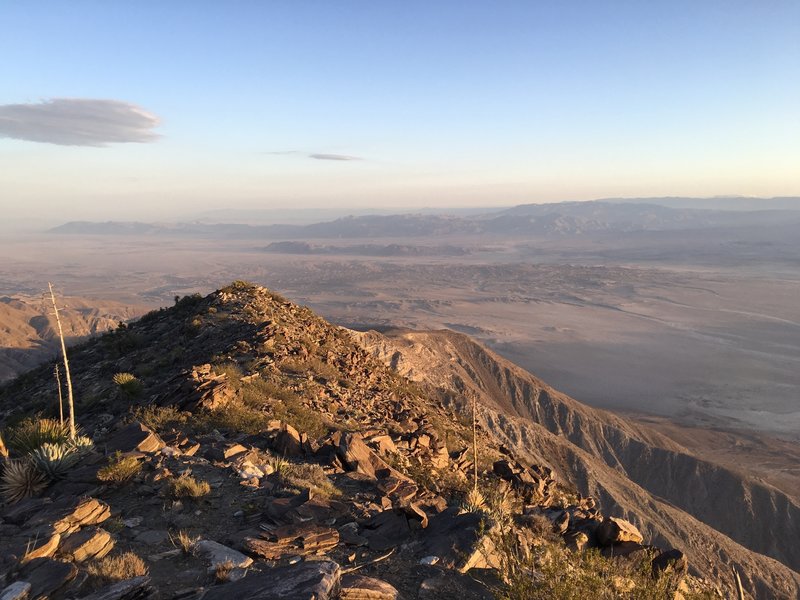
(78, 122)
(333, 157)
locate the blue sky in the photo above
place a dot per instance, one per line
(136, 109)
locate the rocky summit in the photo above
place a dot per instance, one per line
(239, 446)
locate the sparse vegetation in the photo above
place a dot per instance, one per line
(117, 568)
(31, 434)
(159, 418)
(184, 541)
(222, 571)
(128, 383)
(53, 460)
(21, 480)
(187, 486)
(120, 469)
(311, 476)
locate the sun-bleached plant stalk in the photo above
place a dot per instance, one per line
(738, 581)
(60, 396)
(70, 400)
(474, 445)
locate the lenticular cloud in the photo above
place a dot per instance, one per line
(78, 122)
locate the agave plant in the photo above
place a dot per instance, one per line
(53, 460)
(81, 444)
(33, 433)
(21, 480)
(474, 502)
(128, 383)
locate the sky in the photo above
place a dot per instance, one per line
(155, 109)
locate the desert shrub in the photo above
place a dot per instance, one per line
(159, 418)
(257, 392)
(549, 571)
(128, 383)
(234, 417)
(117, 568)
(21, 480)
(309, 475)
(119, 469)
(301, 417)
(30, 434)
(187, 486)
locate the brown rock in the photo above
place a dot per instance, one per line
(359, 587)
(614, 530)
(88, 543)
(293, 540)
(135, 437)
(288, 442)
(43, 544)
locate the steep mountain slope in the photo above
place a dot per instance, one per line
(626, 465)
(28, 333)
(235, 381)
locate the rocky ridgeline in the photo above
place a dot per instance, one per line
(293, 465)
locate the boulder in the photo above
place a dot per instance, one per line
(670, 561)
(135, 437)
(360, 587)
(613, 531)
(317, 580)
(386, 530)
(216, 553)
(287, 441)
(461, 541)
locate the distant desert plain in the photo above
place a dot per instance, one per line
(694, 330)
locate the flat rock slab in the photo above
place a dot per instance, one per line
(360, 587)
(47, 576)
(67, 515)
(305, 581)
(293, 540)
(217, 553)
(88, 543)
(459, 541)
(130, 589)
(451, 584)
(134, 438)
(19, 590)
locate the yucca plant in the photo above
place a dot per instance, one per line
(474, 501)
(128, 383)
(30, 434)
(53, 460)
(21, 480)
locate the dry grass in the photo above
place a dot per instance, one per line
(184, 541)
(309, 475)
(158, 418)
(187, 486)
(120, 469)
(117, 568)
(222, 571)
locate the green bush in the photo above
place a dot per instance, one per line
(120, 469)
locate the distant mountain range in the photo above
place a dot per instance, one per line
(559, 219)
